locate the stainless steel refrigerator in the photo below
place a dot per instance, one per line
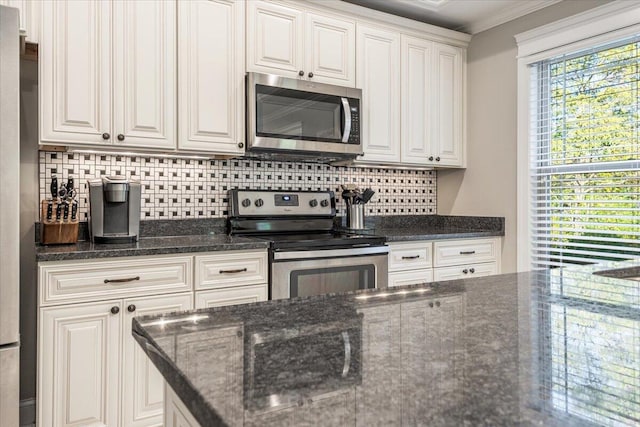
(9, 216)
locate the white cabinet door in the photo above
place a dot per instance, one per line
(465, 271)
(145, 73)
(330, 48)
(416, 94)
(377, 405)
(411, 277)
(78, 360)
(231, 296)
(75, 72)
(142, 393)
(275, 40)
(449, 109)
(378, 75)
(211, 76)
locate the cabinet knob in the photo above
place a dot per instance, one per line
(115, 309)
(106, 136)
(472, 270)
(430, 304)
(120, 137)
(437, 159)
(465, 271)
(240, 144)
(131, 308)
(437, 303)
(310, 75)
(239, 334)
(431, 158)
(301, 73)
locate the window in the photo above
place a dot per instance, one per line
(584, 156)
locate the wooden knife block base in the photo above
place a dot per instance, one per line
(57, 232)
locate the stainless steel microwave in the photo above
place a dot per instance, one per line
(302, 118)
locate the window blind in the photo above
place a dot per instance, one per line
(585, 156)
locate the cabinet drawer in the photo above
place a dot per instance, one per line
(460, 252)
(115, 278)
(227, 269)
(409, 256)
(458, 272)
(231, 296)
(413, 277)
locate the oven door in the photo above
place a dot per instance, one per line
(294, 115)
(305, 273)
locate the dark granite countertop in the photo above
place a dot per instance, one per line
(147, 246)
(200, 235)
(557, 348)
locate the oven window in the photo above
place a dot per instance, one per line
(318, 281)
(293, 114)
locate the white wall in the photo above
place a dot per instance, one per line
(488, 186)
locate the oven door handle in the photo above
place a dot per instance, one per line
(347, 354)
(347, 120)
(330, 253)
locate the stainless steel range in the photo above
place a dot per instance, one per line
(307, 255)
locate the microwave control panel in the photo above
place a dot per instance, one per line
(354, 136)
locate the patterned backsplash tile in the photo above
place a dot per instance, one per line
(174, 188)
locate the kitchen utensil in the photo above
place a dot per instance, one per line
(58, 211)
(367, 195)
(65, 215)
(49, 210)
(74, 211)
(355, 216)
(62, 191)
(54, 187)
(70, 183)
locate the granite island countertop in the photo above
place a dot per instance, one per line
(556, 347)
(185, 236)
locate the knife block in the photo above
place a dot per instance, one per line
(57, 232)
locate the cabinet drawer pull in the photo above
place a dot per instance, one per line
(467, 252)
(238, 270)
(128, 279)
(411, 257)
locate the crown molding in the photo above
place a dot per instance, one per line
(602, 21)
(512, 12)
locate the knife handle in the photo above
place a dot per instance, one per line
(69, 184)
(74, 211)
(54, 187)
(58, 211)
(49, 211)
(66, 212)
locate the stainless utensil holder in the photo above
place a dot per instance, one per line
(355, 216)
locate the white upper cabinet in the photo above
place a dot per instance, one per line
(449, 112)
(211, 76)
(75, 72)
(87, 45)
(275, 40)
(330, 50)
(416, 93)
(289, 42)
(145, 73)
(378, 75)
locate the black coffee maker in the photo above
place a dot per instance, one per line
(114, 210)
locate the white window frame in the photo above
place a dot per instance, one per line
(600, 25)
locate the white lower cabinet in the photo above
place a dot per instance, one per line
(411, 277)
(79, 351)
(465, 271)
(142, 391)
(231, 296)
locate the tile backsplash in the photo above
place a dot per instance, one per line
(175, 188)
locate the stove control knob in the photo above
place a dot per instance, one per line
(259, 202)
(246, 203)
(313, 203)
(324, 203)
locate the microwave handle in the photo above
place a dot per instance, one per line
(347, 354)
(347, 120)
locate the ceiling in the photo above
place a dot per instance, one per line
(469, 16)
